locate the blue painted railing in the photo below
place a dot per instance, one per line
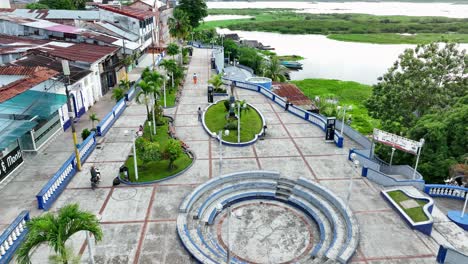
(313, 118)
(107, 122)
(446, 191)
(12, 237)
(373, 171)
(450, 256)
(55, 186)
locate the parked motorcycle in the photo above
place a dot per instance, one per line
(95, 177)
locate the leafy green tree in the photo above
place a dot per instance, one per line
(425, 79)
(58, 4)
(173, 151)
(36, 6)
(250, 57)
(151, 152)
(140, 144)
(446, 140)
(424, 95)
(179, 24)
(274, 70)
(172, 50)
(196, 10)
(55, 230)
(231, 49)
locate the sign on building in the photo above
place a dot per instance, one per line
(10, 162)
(396, 141)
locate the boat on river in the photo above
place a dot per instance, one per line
(291, 64)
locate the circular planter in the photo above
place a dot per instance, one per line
(241, 144)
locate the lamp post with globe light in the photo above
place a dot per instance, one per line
(350, 188)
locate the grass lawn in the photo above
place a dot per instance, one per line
(170, 97)
(347, 27)
(417, 213)
(156, 170)
(348, 93)
(251, 123)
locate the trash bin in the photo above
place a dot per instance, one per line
(213, 64)
(190, 51)
(123, 170)
(210, 94)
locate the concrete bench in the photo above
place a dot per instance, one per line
(213, 210)
(320, 219)
(267, 184)
(350, 223)
(333, 216)
(191, 198)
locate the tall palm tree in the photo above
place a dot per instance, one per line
(143, 96)
(274, 70)
(155, 79)
(179, 26)
(93, 118)
(55, 230)
(170, 66)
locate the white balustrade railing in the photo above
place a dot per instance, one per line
(13, 236)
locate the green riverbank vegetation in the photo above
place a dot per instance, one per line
(346, 94)
(347, 27)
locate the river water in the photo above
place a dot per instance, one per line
(331, 59)
(381, 8)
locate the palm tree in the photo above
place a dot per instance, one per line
(124, 84)
(55, 230)
(274, 70)
(156, 80)
(216, 81)
(179, 26)
(143, 96)
(93, 117)
(170, 66)
(118, 93)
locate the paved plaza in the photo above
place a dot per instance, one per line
(139, 222)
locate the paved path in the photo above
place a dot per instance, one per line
(139, 221)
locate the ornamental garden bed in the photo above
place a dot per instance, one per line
(416, 211)
(251, 122)
(160, 166)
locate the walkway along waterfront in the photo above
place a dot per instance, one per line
(139, 222)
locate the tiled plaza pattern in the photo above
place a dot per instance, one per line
(139, 222)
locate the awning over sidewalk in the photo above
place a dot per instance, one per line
(10, 130)
(33, 103)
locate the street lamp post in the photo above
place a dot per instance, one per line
(134, 153)
(219, 208)
(391, 157)
(154, 119)
(66, 72)
(164, 88)
(220, 137)
(238, 122)
(344, 115)
(350, 188)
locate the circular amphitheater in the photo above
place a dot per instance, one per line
(262, 217)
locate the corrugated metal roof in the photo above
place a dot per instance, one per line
(128, 11)
(38, 59)
(89, 53)
(34, 76)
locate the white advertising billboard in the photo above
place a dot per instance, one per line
(398, 142)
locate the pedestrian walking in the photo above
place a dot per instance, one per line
(200, 112)
(194, 78)
(286, 106)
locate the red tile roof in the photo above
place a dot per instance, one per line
(33, 77)
(128, 11)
